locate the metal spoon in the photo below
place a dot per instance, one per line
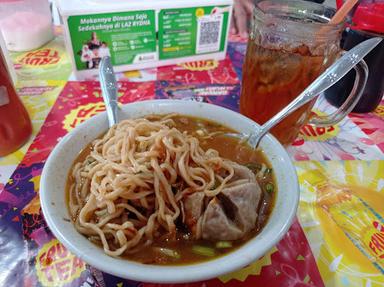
(109, 90)
(333, 74)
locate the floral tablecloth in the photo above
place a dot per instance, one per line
(337, 238)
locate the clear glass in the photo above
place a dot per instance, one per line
(290, 45)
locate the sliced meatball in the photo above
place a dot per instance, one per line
(233, 213)
(229, 215)
(194, 208)
(216, 225)
(245, 199)
(243, 172)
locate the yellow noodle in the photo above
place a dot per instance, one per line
(129, 189)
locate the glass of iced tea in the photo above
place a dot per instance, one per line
(290, 45)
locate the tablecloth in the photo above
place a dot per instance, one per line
(337, 238)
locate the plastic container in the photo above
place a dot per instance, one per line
(367, 22)
(25, 24)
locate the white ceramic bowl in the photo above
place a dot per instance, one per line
(54, 205)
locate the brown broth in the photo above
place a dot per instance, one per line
(228, 148)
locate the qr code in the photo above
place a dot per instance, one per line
(209, 33)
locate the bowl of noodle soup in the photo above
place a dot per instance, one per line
(164, 196)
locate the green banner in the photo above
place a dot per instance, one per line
(128, 37)
(190, 31)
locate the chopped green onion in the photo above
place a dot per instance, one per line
(203, 250)
(268, 171)
(255, 167)
(269, 187)
(169, 252)
(224, 244)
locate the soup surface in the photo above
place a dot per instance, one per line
(182, 247)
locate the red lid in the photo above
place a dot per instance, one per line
(368, 16)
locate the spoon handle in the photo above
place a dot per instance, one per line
(109, 89)
(330, 76)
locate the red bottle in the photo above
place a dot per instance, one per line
(15, 125)
(367, 22)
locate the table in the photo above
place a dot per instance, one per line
(337, 238)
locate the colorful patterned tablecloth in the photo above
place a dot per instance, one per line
(337, 238)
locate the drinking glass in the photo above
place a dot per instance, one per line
(291, 43)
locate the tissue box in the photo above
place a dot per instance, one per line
(143, 34)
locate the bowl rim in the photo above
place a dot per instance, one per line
(238, 258)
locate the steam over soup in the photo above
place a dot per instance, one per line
(169, 189)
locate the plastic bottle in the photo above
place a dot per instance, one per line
(15, 124)
(368, 22)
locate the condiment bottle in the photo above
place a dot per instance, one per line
(15, 125)
(367, 22)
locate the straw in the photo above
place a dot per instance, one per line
(343, 12)
(337, 18)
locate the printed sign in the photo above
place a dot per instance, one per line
(55, 265)
(191, 31)
(41, 57)
(128, 37)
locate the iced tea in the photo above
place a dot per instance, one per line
(272, 78)
(287, 50)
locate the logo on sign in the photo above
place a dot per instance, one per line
(81, 114)
(379, 111)
(41, 57)
(199, 12)
(200, 65)
(56, 266)
(313, 133)
(374, 238)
